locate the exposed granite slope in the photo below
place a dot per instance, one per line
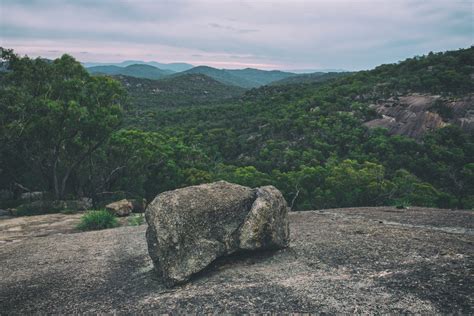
(415, 114)
(364, 260)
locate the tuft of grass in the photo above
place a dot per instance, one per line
(136, 220)
(402, 204)
(96, 220)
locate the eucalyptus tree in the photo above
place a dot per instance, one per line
(53, 116)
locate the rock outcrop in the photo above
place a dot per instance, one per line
(189, 228)
(33, 196)
(415, 114)
(120, 208)
(126, 207)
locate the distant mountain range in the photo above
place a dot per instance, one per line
(310, 78)
(244, 78)
(135, 70)
(174, 67)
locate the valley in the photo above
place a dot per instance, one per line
(401, 134)
(292, 135)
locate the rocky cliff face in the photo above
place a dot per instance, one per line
(415, 114)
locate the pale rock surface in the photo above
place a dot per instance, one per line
(120, 208)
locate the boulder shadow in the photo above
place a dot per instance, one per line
(239, 258)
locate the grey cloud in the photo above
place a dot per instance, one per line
(244, 31)
(231, 28)
(329, 34)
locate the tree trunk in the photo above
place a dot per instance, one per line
(55, 181)
(62, 189)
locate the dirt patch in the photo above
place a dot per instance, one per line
(339, 261)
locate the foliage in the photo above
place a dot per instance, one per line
(46, 206)
(310, 78)
(244, 78)
(141, 164)
(96, 220)
(307, 139)
(136, 220)
(36, 208)
(53, 117)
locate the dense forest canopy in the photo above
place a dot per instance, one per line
(73, 134)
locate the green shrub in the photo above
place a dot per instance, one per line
(136, 220)
(42, 207)
(468, 202)
(402, 204)
(95, 220)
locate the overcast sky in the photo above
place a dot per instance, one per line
(288, 34)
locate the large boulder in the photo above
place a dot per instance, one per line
(189, 228)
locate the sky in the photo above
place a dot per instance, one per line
(287, 35)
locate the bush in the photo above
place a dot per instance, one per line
(468, 202)
(402, 204)
(95, 220)
(136, 219)
(42, 207)
(36, 208)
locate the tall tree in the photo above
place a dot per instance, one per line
(53, 116)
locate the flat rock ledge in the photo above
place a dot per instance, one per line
(189, 228)
(377, 260)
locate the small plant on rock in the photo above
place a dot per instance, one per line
(402, 204)
(136, 219)
(96, 220)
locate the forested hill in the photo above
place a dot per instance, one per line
(245, 78)
(182, 90)
(311, 140)
(310, 78)
(220, 75)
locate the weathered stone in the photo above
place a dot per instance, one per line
(266, 225)
(414, 115)
(189, 228)
(33, 196)
(82, 204)
(120, 208)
